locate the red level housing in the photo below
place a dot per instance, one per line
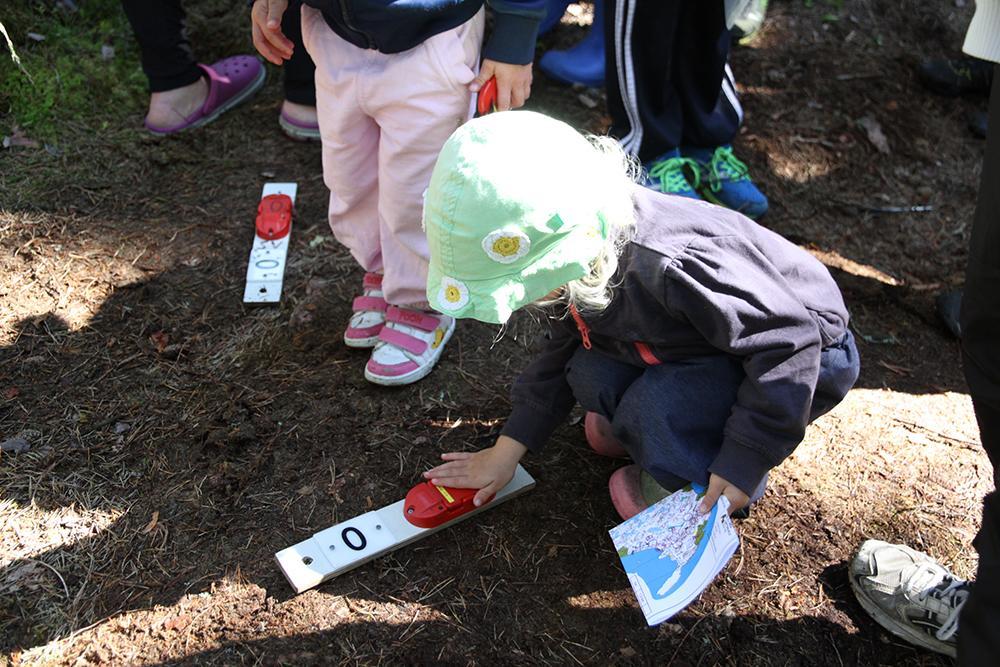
(429, 505)
(274, 217)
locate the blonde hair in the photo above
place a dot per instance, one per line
(613, 173)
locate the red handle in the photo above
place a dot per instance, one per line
(487, 100)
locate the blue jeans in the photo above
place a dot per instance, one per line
(670, 417)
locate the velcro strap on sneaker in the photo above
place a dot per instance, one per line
(413, 318)
(369, 303)
(402, 340)
(372, 281)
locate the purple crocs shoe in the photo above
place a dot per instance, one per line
(230, 81)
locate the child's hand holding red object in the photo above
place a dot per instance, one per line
(488, 470)
(513, 83)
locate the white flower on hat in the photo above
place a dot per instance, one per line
(453, 294)
(506, 245)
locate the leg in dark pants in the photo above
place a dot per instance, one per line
(670, 418)
(299, 70)
(979, 627)
(160, 29)
(169, 63)
(599, 382)
(666, 76)
(704, 83)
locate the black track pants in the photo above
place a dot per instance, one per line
(979, 626)
(666, 75)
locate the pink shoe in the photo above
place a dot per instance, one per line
(626, 491)
(369, 314)
(230, 81)
(633, 490)
(409, 345)
(598, 431)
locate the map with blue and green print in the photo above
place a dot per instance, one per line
(671, 552)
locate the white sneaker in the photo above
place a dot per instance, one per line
(409, 345)
(909, 594)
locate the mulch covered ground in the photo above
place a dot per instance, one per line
(185, 438)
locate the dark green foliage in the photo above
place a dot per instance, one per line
(70, 78)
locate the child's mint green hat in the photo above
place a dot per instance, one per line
(510, 214)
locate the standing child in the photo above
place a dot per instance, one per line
(673, 101)
(701, 343)
(393, 81)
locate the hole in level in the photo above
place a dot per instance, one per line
(332, 547)
(307, 560)
(263, 290)
(378, 526)
(409, 510)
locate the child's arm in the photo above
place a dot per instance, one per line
(510, 50)
(265, 18)
(542, 399)
(488, 470)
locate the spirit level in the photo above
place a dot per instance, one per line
(351, 543)
(272, 229)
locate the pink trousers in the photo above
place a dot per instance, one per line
(383, 119)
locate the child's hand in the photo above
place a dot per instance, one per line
(488, 470)
(719, 486)
(513, 83)
(271, 43)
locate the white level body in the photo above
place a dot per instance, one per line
(266, 268)
(348, 544)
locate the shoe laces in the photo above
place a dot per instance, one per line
(950, 595)
(725, 167)
(961, 71)
(670, 174)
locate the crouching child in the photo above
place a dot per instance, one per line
(700, 343)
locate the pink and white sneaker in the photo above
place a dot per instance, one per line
(408, 346)
(369, 314)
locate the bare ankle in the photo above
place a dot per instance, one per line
(301, 113)
(172, 107)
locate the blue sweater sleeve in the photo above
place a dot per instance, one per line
(515, 30)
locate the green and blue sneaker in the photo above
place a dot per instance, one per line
(725, 180)
(749, 21)
(956, 76)
(669, 174)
